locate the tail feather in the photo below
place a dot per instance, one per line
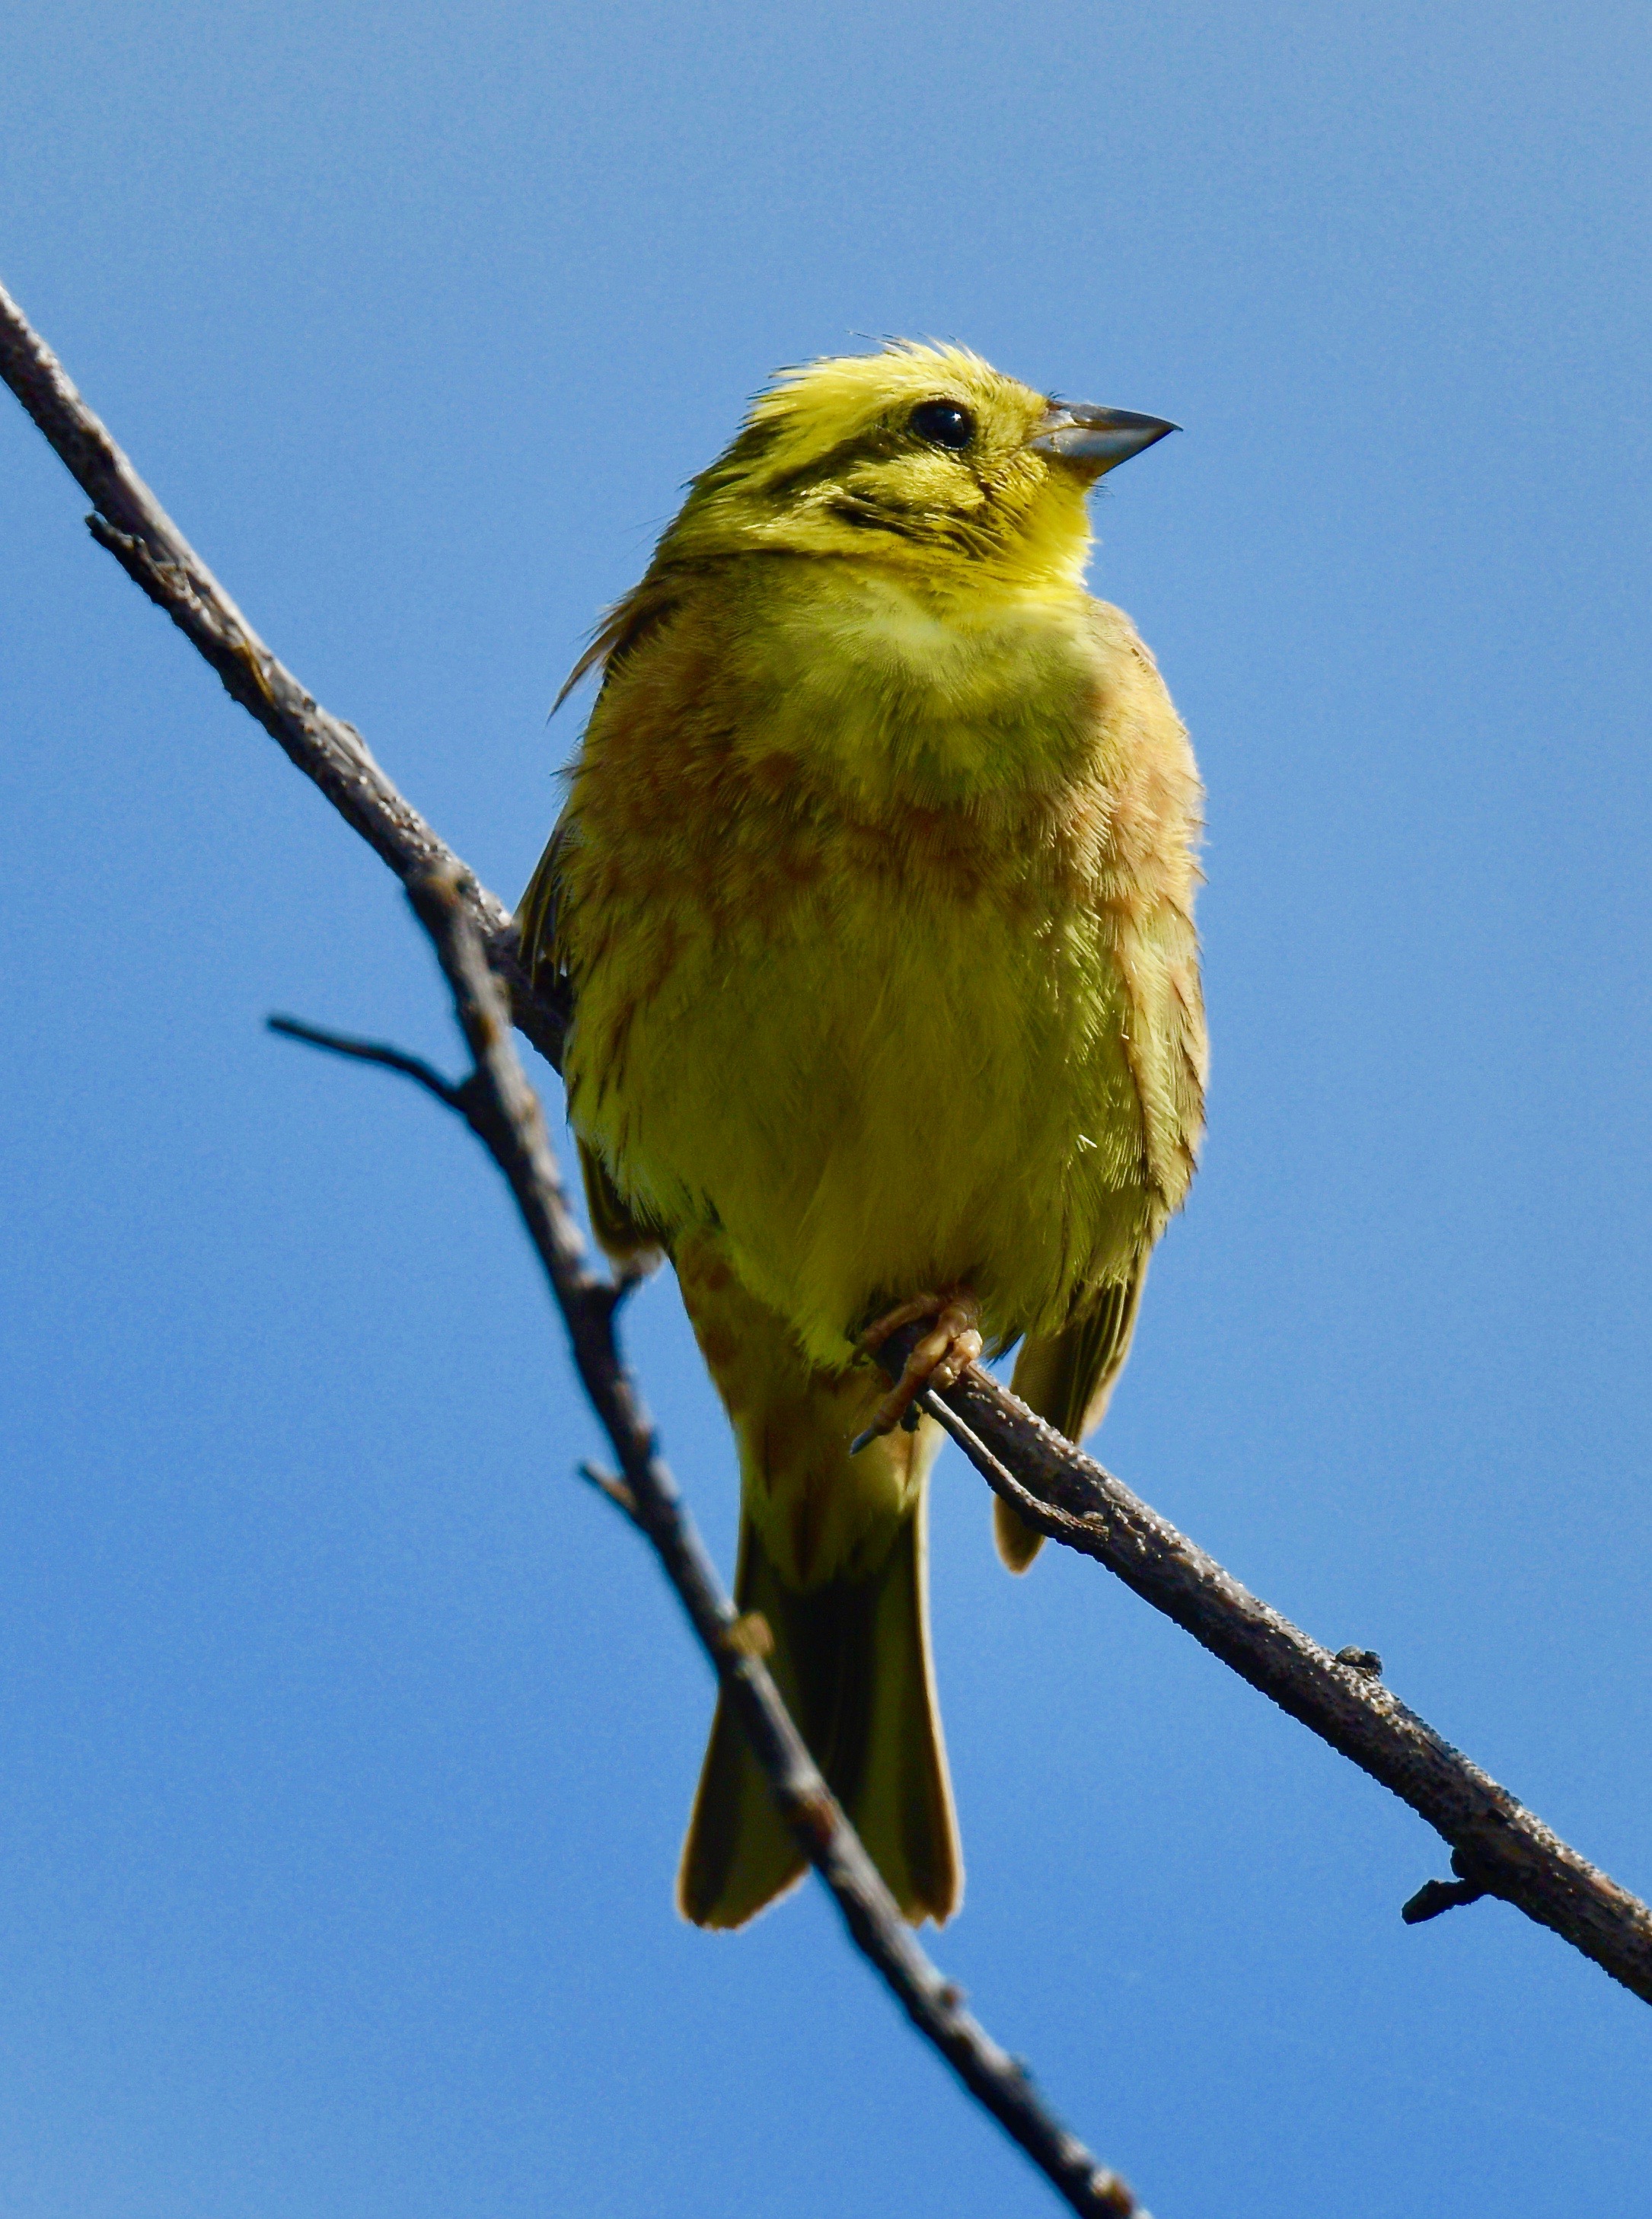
(851, 1658)
(901, 1803)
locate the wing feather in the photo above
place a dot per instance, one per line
(1067, 1377)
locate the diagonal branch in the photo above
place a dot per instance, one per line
(1498, 1846)
(149, 547)
(503, 1110)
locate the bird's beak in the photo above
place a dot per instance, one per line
(1097, 439)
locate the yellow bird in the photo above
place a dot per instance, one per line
(874, 889)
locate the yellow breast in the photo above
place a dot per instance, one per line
(878, 914)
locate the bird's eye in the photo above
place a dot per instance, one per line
(943, 424)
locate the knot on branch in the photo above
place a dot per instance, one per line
(165, 582)
(1115, 2196)
(750, 1634)
(1474, 1880)
(611, 1484)
(1435, 1896)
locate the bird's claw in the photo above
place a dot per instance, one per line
(938, 1360)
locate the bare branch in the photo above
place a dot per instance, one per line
(1498, 1846)
(136, 530)
(393, 1059)
(502, 1109)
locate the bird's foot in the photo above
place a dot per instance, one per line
(937, 1360)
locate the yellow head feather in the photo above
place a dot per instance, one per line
(918, 456)
(921, 460)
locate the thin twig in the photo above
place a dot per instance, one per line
(393, 1059)
(1435, 1896)
(1523, 1862)
(1499, 1848)
(503, 1110)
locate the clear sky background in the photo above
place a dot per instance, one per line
(345, 1739)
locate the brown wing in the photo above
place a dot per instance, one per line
(625, 1235)
(538, 912)
(1066, 1377)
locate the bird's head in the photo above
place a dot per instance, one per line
(921, 456)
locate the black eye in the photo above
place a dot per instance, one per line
(942, 423)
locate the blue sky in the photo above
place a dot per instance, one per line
(345, 1740)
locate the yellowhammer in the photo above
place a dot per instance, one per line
(874, 888)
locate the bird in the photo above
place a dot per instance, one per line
(873, 894)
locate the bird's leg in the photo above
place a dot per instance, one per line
(952, 1341)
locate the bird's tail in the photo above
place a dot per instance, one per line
(851, 1657)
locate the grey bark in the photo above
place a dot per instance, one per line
(1498, 1846)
